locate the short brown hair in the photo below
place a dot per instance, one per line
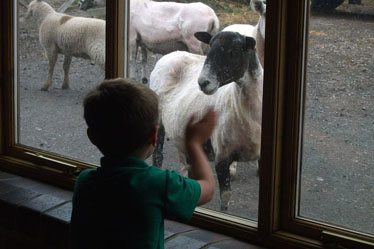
(122, 114)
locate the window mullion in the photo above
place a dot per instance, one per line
(272, 117)
(115, 36)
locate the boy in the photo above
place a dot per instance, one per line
(123, 203)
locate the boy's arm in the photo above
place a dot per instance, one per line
(196, 134)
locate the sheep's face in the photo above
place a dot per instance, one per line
(228, 59)
(31, 8)
(260, 7)
(85, 4)
(38, 9)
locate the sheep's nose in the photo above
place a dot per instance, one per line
(204, 84)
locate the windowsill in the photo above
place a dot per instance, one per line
(37, 215)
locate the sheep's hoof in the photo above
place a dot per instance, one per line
(145, 81)
(65, 87)
(224, 208)
(225, 200)
(44, 88)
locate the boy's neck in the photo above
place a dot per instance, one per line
(143, 152)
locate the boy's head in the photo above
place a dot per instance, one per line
(121, 115)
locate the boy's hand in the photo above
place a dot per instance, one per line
(200, 131)
(197, 132)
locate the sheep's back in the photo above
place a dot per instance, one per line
(243, 29)
(174, 79)
(73, 35)
(174, 71)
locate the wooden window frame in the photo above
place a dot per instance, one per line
(29, 161)
(284, 93)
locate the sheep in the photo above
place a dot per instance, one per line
(87, 4)
(67, 35)
(258, 31)
(164, 27)
(230, 78)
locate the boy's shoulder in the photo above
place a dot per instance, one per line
(134, 169)
(122, 162)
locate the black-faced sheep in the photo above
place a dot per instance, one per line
(68, 35)
(229, 78)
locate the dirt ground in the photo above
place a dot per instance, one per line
(337, 167)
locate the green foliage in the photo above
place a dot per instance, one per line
(229, 10)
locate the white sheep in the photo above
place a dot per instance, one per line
(257, 32)
(68, 35)
(164, 27)
(229, 78)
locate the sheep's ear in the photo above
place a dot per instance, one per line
(250, 43)
(203, 37)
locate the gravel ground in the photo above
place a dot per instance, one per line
(337, 167)
(337, 173)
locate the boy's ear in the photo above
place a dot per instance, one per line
(153, 136)
(91, 136)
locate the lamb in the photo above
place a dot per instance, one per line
(257, 32)
(230, 78)
(67, 35)
(164, 27)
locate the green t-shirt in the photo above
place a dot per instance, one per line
(123, 204)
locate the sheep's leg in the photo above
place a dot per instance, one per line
(144, 65)
(233, 168)
(133, 55)
(186, 169)
(223, 175)
(66, 67)
(257, 167)
(157, 156)
(52, 58)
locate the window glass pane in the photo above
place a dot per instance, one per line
(163, 28)
(50, 116)
(337, 173)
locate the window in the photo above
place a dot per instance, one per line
(337, 167)
(49, 104)
(287, 181)
(237, 186)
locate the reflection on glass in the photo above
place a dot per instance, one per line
(337, 167)
(156, 33)
(60, 57)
